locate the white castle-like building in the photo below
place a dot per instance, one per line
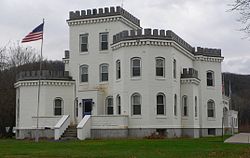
(124, 81)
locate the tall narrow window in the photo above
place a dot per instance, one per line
(84, 73)
(210, 78)
(58, 106)
(160, 99)
(210, 108)
(135, 67)
(118, 102)
(195, 106)
(175, 105)
(104, 41)
(84, 42)
(118, 69)
(160, 67)
(184, 106)
(109, 105)
(174, 68)
(136, 104)
(104, 73)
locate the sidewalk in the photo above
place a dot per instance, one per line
(239, 138)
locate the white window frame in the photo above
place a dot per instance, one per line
(210, 80)
(102, 79)
(118, 69)
(86, 35)
(101, 41)
(175, 104)
(134, 104)
(84, 73)
(54, 107)
(161, 104)
(211, 108)
(160, 67)
(118, 103)
(109, 105)
(184, 106)
(133, 67)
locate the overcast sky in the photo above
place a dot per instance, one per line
(203, 23)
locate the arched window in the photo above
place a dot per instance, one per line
(160, 67)
(175, 105)
(109, 105)
(118, 103)
(210, 108)
(104, 72)
(161, 104)
(136, 104)
(84, 73)
(184, 106)
(118, 69)
(136, 67)
(195, 106)
(58, 107)
(210, 78)
(174, 68)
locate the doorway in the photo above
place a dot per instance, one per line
(87, 107)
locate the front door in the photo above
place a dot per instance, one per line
(87, 107)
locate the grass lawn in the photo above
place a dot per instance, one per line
(125, 148)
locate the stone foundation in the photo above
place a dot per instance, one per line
(31, 133)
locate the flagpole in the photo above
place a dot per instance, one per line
(39, 89)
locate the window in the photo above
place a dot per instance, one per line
(109, 105)
(84, 43)
(160, 67)
(118, 69)
(175, 105)
(104, 41)
(160, 99)
(195, 106)
(184, 106)
(104, 74)
(76, 107)
(136, 67)
(210, 108)
(136, 104)
(174, 68)
(58, 106)
(210, 78)
(211, 131)
(118, 102)
(84, 73)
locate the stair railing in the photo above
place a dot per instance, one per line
(61, 126)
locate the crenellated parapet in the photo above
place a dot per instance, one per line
(189, 73)
(45, 75)
(103, 12)
(151, 34)
(208, 52)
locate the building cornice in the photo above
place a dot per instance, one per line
(151, 42)
(209, 59)
(43, 83)
(190, 81)
(110, 19)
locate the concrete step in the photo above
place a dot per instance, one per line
(70, 133)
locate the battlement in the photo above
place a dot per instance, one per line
(151, 34)
(189, 73)
(45, 75)
(103, 12)
(208, 52)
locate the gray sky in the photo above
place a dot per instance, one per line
(199, 22)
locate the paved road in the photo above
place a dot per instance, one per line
(239, 138)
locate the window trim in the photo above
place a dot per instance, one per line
(80, 42)
(213, 108)
(101, 73)
(118, 71)
(118, 104)
(175, 104)
(164, 104)
(107, 105)
(80, 72)
(184, 105)
(195, 106)
(163, 67)
(62, 107)
(132, 67)
(100, 41)
(213, 78)
(174, 68)
(132, 104)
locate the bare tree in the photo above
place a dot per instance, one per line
(243, 8)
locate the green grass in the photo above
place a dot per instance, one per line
(125, 148)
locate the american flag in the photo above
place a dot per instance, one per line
(36, 34)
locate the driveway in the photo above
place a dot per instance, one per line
(239, 138)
